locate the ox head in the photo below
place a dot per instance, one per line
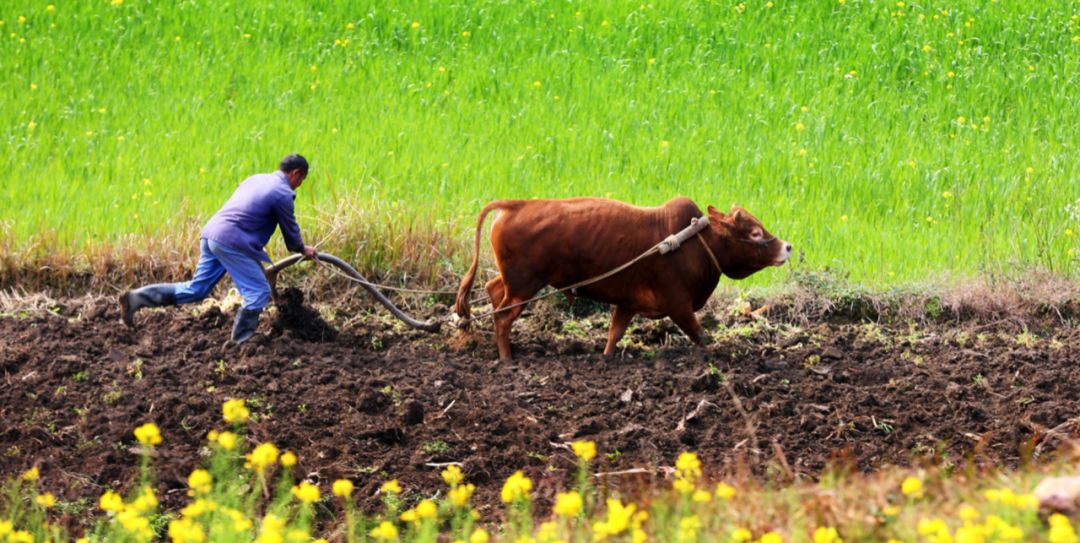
(745, 245)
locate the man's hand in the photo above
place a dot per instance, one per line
(311, 252)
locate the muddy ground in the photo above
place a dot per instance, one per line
(770, 397)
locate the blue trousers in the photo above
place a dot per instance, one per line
(216, 259)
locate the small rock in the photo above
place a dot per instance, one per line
(1059, 495)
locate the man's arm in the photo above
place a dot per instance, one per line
(284, 211)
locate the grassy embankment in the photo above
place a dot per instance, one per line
(892, 142)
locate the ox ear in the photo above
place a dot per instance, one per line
(716, 217)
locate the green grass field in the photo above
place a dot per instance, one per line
(890, 141)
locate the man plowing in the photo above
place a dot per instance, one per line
(233, 241)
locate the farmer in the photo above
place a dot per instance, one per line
(233, 242)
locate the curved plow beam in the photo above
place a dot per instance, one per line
(272, 273)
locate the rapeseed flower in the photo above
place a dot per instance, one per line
(427, 509)
(771, 537)
(725, 491)
(21, 536)
(452, 475)
(200, 481)
(701, 496)
(385, 531)
(288, 459)
(827, 535)
(688, 466)
(459, 495)
(343, 488)
(912, 486)
(568, 504)
(516, 487)
(111, 502)
(31, 474)
(618, 519)
(1061, 530)
(585, 450)
(390, 487)
(741, 535)
(306, 492)
(148, 434)
(689, 528)
(46, 500)
(479, 535)
(263, 456)
(186, 530)
(227, 440)
(234, 411)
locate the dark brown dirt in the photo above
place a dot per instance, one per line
(380, 401)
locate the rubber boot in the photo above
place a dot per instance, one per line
(159, 295)
(247, 321)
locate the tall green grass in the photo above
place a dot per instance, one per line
(890, 141)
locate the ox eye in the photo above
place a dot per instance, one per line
(756, 234)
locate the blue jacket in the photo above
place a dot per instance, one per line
(259, 205)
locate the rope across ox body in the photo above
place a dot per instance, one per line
(669, 244)
(341, 268)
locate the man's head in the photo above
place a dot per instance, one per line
(295, 167)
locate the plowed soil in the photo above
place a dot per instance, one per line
(767, 399)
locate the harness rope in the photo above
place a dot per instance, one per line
(669, 244)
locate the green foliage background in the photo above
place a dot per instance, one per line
(891, 141)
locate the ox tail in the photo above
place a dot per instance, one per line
(461, 305)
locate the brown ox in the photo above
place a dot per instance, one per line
(562, 242)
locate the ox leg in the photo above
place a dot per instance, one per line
(620, 320)
(688, 323)
(503, 323)
(496, 290)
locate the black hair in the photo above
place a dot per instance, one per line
(294, 162)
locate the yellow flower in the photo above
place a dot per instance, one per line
(111, 502)
(516, 487)
(31, 474)
(568, 504)
(146, 501)
(618, 518)
(466, 33)
(6, 527)
(912, 486)
(688, 465)
(741, 535)
(427, 509)
(827, 535)
(415, 25)
(197, 508)
(227, 440)
(186, 530)
(689, 527)
(234, 411)
(350, 26)
(385, 531)
(306, 492)
(479, 535)
(683, 486)
(459, 495)
(803, 152)
(117, 2)
(1068, 232)
(968, 513)
(31, 125)
(537, 84)
(701, 496)
(46, 500)
(288, 459)
(1030, 170)
(410, 516)
(263, 456)
(148, 434)
(200, 481)
(946, 195)
(452, 475)
(843, 218)
(390, 487)
(21, 536)
(343, 488)
(1061, 530)
(585, 450)
(799, 126)
(771, 537)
